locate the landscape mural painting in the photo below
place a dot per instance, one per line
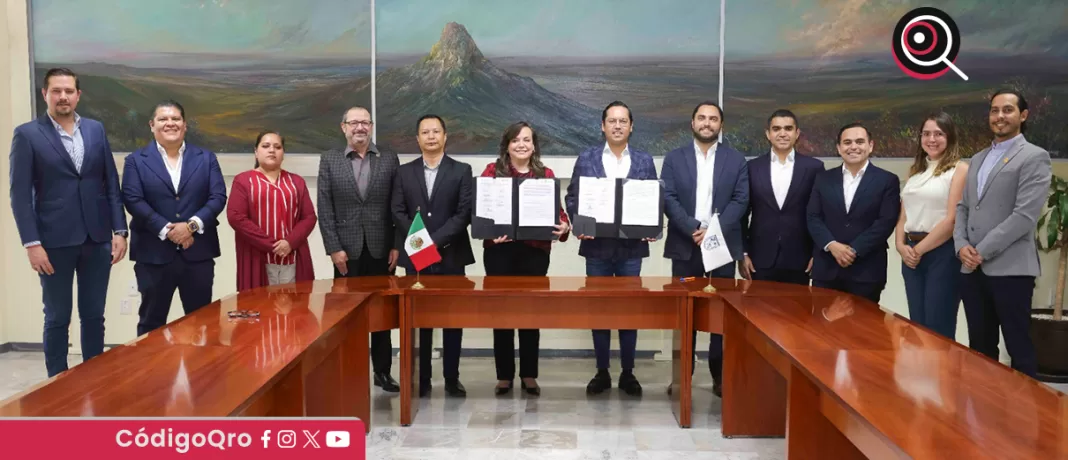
(555, 64)
(237, 66)
(830, 61)
(240, 66)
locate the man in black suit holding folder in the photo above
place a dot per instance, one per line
(703, 181)
(439, 188)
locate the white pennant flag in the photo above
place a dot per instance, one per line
(714, 252)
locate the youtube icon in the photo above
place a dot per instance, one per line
(337, 439)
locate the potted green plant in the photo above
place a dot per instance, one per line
(1049, 327)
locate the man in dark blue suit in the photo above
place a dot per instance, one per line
(775, 231)
(68, 210)
(438, 188)
(851, 214)
(612, 256)
(175, 192)
(704, 180)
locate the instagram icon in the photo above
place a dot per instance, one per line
(287, 439)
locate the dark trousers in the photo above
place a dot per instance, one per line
(381, 343)
(1005, 301)
(870, 291)
(602, 338)
(782, 276)
(696, 267)
(92, 262)
(933, 289)
(157, 283)
(515, 259)
(452, 339)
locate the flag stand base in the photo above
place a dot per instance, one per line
(417, 285)
(709, 289)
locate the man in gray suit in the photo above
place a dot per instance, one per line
(994, 234)
(355, 185)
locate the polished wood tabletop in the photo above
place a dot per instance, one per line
(204, 364)
(890, 387)
(895, 388)
(597, 286)
(507, 302)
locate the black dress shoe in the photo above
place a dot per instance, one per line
(387, 383)
(717, 389)
(454, 388)
(533, 391)
(503, 390)
(629, 384)
(599, 383)
(424, 389)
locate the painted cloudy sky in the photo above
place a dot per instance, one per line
(138, 32)
(829, 28)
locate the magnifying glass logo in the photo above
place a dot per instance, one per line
(925, 43)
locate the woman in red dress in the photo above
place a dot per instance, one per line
(272, 216)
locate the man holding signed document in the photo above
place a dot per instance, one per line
(610, 256)
(706, 186)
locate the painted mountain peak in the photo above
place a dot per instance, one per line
(455, 51)
(478, 100)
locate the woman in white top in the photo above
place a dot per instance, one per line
(925, 229)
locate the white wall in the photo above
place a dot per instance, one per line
(14, 108)
(21, 319)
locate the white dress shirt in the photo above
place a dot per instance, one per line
(176, 178)
(616, 168)
(75, 147)
(850, 183)
(706, 162)
(781, 176)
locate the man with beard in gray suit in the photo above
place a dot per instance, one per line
(354, 187)
(995, 234)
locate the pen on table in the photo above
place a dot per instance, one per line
(688, 278)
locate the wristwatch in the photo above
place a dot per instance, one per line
(122, 233)
(193, 226)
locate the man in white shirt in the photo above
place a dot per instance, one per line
(612, 256)
(68, 210)
(704, 180)
(851, 213)
(777, 244)
(175, 192)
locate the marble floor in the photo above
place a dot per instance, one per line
(563, 423)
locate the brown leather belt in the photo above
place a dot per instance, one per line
(915, 237)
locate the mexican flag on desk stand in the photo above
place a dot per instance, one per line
(420, 248)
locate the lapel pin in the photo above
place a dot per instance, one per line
(1006, 161)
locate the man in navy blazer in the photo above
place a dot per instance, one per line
(65, 197)
(775, 230)
(851, 214)
(704, 180)
(612, 256)
(175, 192)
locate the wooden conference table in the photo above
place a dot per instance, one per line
(836, 375)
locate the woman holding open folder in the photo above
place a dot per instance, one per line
(519, 157)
